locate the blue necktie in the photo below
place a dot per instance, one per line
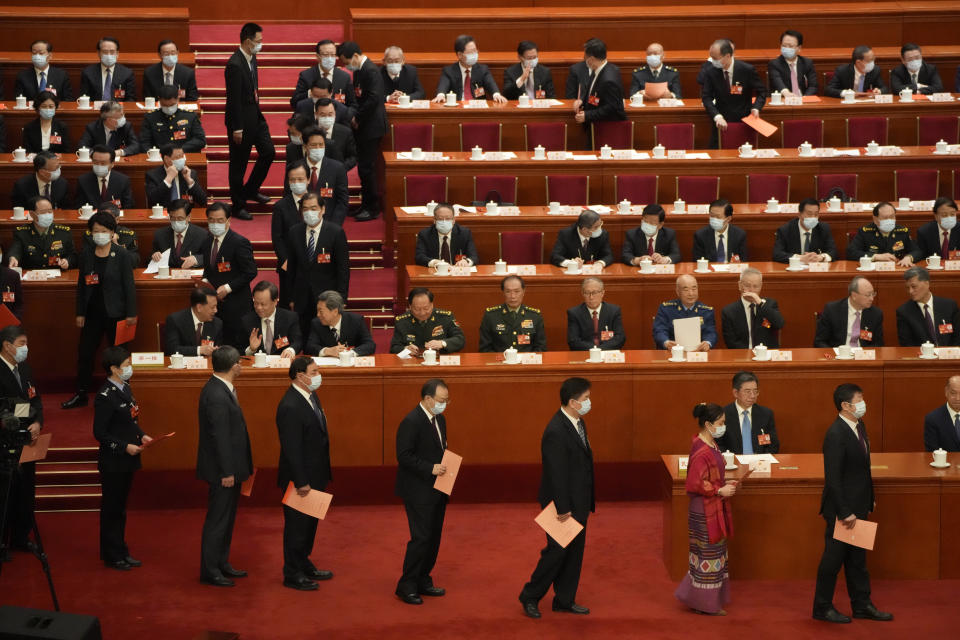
(107, 94)
(746, 432)
(860, 83)
(43, 81)
(721, 251)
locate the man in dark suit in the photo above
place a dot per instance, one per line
(399, 78)
(731, 89)
(304, 463)
(528, 76)
(585, 241)
(338, 138)
(806, 237)
(44, 181)
(335, 330)
(173, 180)
(229, 267)
(853, 321)
(567, 482)
(790, 73)
(369, 126)
(941, 427)
(750, 427)
(721, 241)
(940, 236)
(883, 240)
(847, 495)
(102, 183)
(576, 75)
(171, 124)
(860, 75)
(655, 71)
(421, 441)
(286, 215)
(184, 240)
(224, 461)
(246, 126)
(167, 73)
(926, 317)
(594, 323)
(752, 319)
(466, 78)
(601, 94)
(43, 77)
(112, 130)
(445, 241)
(268, 328)
(914, 73)
(196, 331)
(651, 239)
(326, 176)
(318, 260)
(42, 244)
(108, 80)
(323, 88)
(342, 87)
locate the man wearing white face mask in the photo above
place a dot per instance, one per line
(914, 73)
(103, 184)
(861, 75)
(42, 244)
(807, 237)
(326, 67)
(173, 180)
(651, 240)
(41, 76)
(229, 267)
(940, 236)
(184, 240)
(171, 124)
(445, 241)
(528, 77)
(884, 240)
(45, 181)
(111, 130)
(790, 73)
(721, 241)
(585, 241)
(167, 73)
(108, 80)
(339, 142)
(326, 175)
(655, 71)
(399, 78)
(466, 78)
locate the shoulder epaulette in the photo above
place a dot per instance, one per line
(402, 316)
(126, 230)
(493, 308)
(23, 227)
(535, 310)
(668, 303)
(902, 229)
(669, 68)
(443, 312)
(705, 306)
(866, 227)
(639, 68)
(61, 227)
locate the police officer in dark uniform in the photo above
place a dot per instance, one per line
(424, 327)
(686, 305)
(123, 236)
(512, 324)
(116, 426)
(884, 240)
(655, 71)
(172, 125)
(43, 244)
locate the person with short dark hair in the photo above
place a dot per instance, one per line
(122, 235)
(326, 176)
(583, 242)
(883, 240)
(807, 237)
(338, 140)
(926, 317)
(528, 77)
(47, 132)
(341, 85)
(169, 124)
(111, 130)
(268, 328)
(731, 89)
(42, 76)
(721, 240)
(335, 330)
(466, 78)
(229, 267)
(654, 71)
(423, 327)
(940, 236)
(941, 427)
(45, 181)
(512, 324)
(601, 93)
(445, 241)
(791, 73)
(752, 319)
(322, 89)
(860, 75)
(852, 321)
(195, 331)
(12, 289)
(169, 73)
(399, 78)
(102, 183)
(108, 80)
(915, 74)
(42, 244)
(651, 239)
(577, 75)
(594, 323)
(751, 427)
(296, 124)
(286, 215)
(183, 239)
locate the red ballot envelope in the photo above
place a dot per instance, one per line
(654, 90)
(862, 535)
(562, 532)
(763, 127)
(158, 439)
(37, 450)
(246, 489)
(313, 504)
(810, 99)
(6, 317)
(125, 333)
(445, 482)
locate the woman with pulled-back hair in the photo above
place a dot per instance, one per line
(706, 587)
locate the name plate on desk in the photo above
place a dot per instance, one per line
(531, 358)
(941, 97)
(883, 98)
(768, 153)
(951, 265)
(736, 267)
(366, 361)
(676, 154)
(865, 354)
(185, 274)
(761, 465)
(591, 269)
(948, 353)
(696, 356)
(450, 361)
(42, 274)
(526, 270)
(819, 267)
(276, 362)
(793, 101)
(682, 463)
(459, 271)
(558, 155)
(194, 362)
(776, 355)
(614, 356)
(884, 266)
(665, 268)
(698, 208)
(147, 358)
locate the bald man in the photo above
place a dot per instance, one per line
(655, 71)
(686, 305)
(941, 427)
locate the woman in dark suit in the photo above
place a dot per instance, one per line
(105, 296)
(46, 133)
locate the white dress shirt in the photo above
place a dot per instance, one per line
(263, 329)
(852, 425)
(434, 421)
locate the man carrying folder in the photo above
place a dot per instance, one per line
(847, 496)
(305, 461)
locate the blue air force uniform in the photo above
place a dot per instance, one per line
(673, 310)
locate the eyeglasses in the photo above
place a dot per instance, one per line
(593, 292)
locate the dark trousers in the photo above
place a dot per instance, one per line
(20, 512)
(299, 531)
(426, 526)
(369, 158)
(218, 528)
(286, 288)
(853, 559)
(259, 137)
(115, 486)
(559, 567)
(95, 327)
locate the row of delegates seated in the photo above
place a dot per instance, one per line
(326, 160)
(338, 141)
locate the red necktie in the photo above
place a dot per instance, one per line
(596, 329)
(199, 333)
(214, 251)
(945, 247)
(176, 249)
(313, 179)
(650, 246)
(103, 190)
(445, 251)
(467, 89)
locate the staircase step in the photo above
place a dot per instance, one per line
(78, 497)
(67, 473)
(72, 454)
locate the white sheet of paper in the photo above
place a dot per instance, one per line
(836, 350)
(686, 332)
(405, 354)
(748, 458)
(155, 265)
(698, 156)
(599, 208)
(327, 361)
(414, 210)
(583, 156)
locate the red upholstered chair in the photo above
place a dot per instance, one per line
(505, 186)
(862, 131)
(407, 136)
(933, 129)
(956, 184)
(824, 183)
(486, 135)
(827, 77)
(763, 186)
(552, 136)
(521, 247)
(571, 190)
(916, 184)
(736, 134)
(419, 190)
(618, 134)
(698, 189)
(636, 188)
(677, 135)
(793, 133)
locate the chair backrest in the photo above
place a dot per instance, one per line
(956, 184)
(552, 136)
(932, 129)
(698, 189)
(793, 133)
(505, 187)
(763, 186)
(736, 134)
(862, 131)
(827, 182)
(675, 135)
(573, 190)
(407, 135)
(618, 134)
(486, 135)
(161, 335)
(419, 190)
(638, 189)
(521, 247)
(827, 77)
(916, 184)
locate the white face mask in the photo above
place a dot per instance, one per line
(328, 62)
(438, 408)
(531, 64)
(101, 170)
(810, 223)
(170, 61)
(126, 373)
(39, 60)
(868, 66)
(584, 407)
(470, 59)
(886, 226)
(717, 223)
(316, 155)
(596, 233)
(108, 59)
(55, 175)
(179, 163)
(948, 222)
(394, 68)
(298, 188)
(653, 61)
(311, 218)
(914, 65)
(101, 239)
(169, 111)
(716, 63)
(121, 121)
(444, 226)
(47, 114)
(718, 430)
(315, 382)
(648, 229)
(21, 353)
(296, 139)
(257, 47)
(326, 123)
(179, 226)
(218, 229)
(788, 52)
(44, 220)
(860, 409)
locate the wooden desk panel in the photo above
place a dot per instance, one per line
(79, 28)
(949, 518)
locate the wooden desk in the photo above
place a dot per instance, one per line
(134, 168)
(912, 540)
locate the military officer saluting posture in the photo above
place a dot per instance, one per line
(43, 244)
(424, 327)
(883, 240)
(655, 71)
(686, 305)
(512, 324)
(172, 125)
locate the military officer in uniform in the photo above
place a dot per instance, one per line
(686, 305)
(43, 244)
(884, 241)
(424, 327)
(123, 236)
(655, 71)
(512, 324)
(171, 124)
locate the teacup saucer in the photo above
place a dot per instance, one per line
(756, 359)
(850, 357)
(932, 356)
(672, 359)
(732, 467)
(800, 268)
(159, 277)
(940, 268)
(940, 466)
(260, 366)
(862, 269)
(170, 366)
(430, 364)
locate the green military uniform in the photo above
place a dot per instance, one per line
(870, 241)
(522, 329)
(35, 250)
(183, 129)
(441, 325)
(126, 238)
(642, 75)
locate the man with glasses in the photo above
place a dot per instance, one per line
(852, 321)
(585, 241)
(594, 323)
(750, 427)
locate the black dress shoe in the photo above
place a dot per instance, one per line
(119, 565)
(832, 615)
(242, 214)
(366, 216)
(433, 592)
(870, 612)
(531, 610)
(233, 573)
(262, 198)
(78, 400)
(319, 574)
(133, 562)
(217, 581)
(410, 598)
(573, 608)
(300, 584)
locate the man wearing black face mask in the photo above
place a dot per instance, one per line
(172, 125)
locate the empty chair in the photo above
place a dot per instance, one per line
(862, 131)
(916, 184)
(409, 135)
(736, 134)
(698, 189)
(617, 134)
(485, 135)
(521, 247)
(571, 190)
(419, 190)
(500, 189)
(793, 133)
(932, 129)
(552, 136)
(826, 183)
(763, 186)
(677, 135)
(636, 188)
